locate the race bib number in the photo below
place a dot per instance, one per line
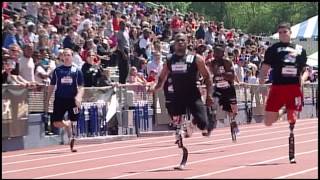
(288, 71)
(170, 88)
(223, 84)
(179, 67)
(66, 80)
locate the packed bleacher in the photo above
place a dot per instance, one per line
(34, 34)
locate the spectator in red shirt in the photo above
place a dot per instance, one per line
(116, 21)
(57, 20)
(176, 24)
(152, 76)
(230, 34)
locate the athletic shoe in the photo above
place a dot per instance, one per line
(235, 128)
(292, 161)
(72, 145)
(206, 132)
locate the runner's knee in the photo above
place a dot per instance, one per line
(292, 116)
(58, 124)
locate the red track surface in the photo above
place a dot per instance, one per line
(260, 152)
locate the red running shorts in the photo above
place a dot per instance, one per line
(289, 95)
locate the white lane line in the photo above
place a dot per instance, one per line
(244, 166)
(100, 150)
(209, 159)
(297, 173)
(161, 157)
(249, 126)
(82, 146)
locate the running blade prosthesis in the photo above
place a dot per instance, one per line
(291, 145)
(291, 149)
(71, 145)
(179, 138)
(184, 155)
(234, 129)
(73, 139)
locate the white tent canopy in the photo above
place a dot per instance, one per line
(313, 60)
(306, 29)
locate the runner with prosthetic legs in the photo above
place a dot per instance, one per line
(224, 92)
(288, 63)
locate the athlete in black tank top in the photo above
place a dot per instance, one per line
(184, 70)
(223, 77)
(184, 74)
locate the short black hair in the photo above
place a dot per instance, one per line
(285, 25)
(180, 34)
(219, 45)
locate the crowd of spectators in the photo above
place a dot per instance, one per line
(132, 36)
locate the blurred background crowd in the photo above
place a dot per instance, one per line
(131, 37)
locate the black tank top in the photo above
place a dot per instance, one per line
(287, 61)
(219, 67)
(184, 74)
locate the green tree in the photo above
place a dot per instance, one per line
(250, 17)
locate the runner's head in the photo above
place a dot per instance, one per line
(67, 57)
(219, 51)
(284, 32)
(180, 43)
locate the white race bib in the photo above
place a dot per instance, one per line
(289, 71)
(298, 49)
(179, 67)
(66, 80)
(223, 84)
(170, 88)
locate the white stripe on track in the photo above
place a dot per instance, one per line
(297, 173)
(208, 159)
(248, 126)
(172, 155)
(101, 150)
(240, 167)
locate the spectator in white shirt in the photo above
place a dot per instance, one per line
(239, 70)
(209, 36)
(26, 67)
(41, 69)
(145, 44)
(86, 22)
(252, 79)
(156, 63)
(77, 60)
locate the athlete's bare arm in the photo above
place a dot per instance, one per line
(263, 72)
(215, 68)
(163, 76)
(229, 72)
(206, 77)
(79, 96)
(210, 66)
(304, 75)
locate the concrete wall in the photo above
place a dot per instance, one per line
(35, 138)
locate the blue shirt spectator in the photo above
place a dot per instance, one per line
(10, 37)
